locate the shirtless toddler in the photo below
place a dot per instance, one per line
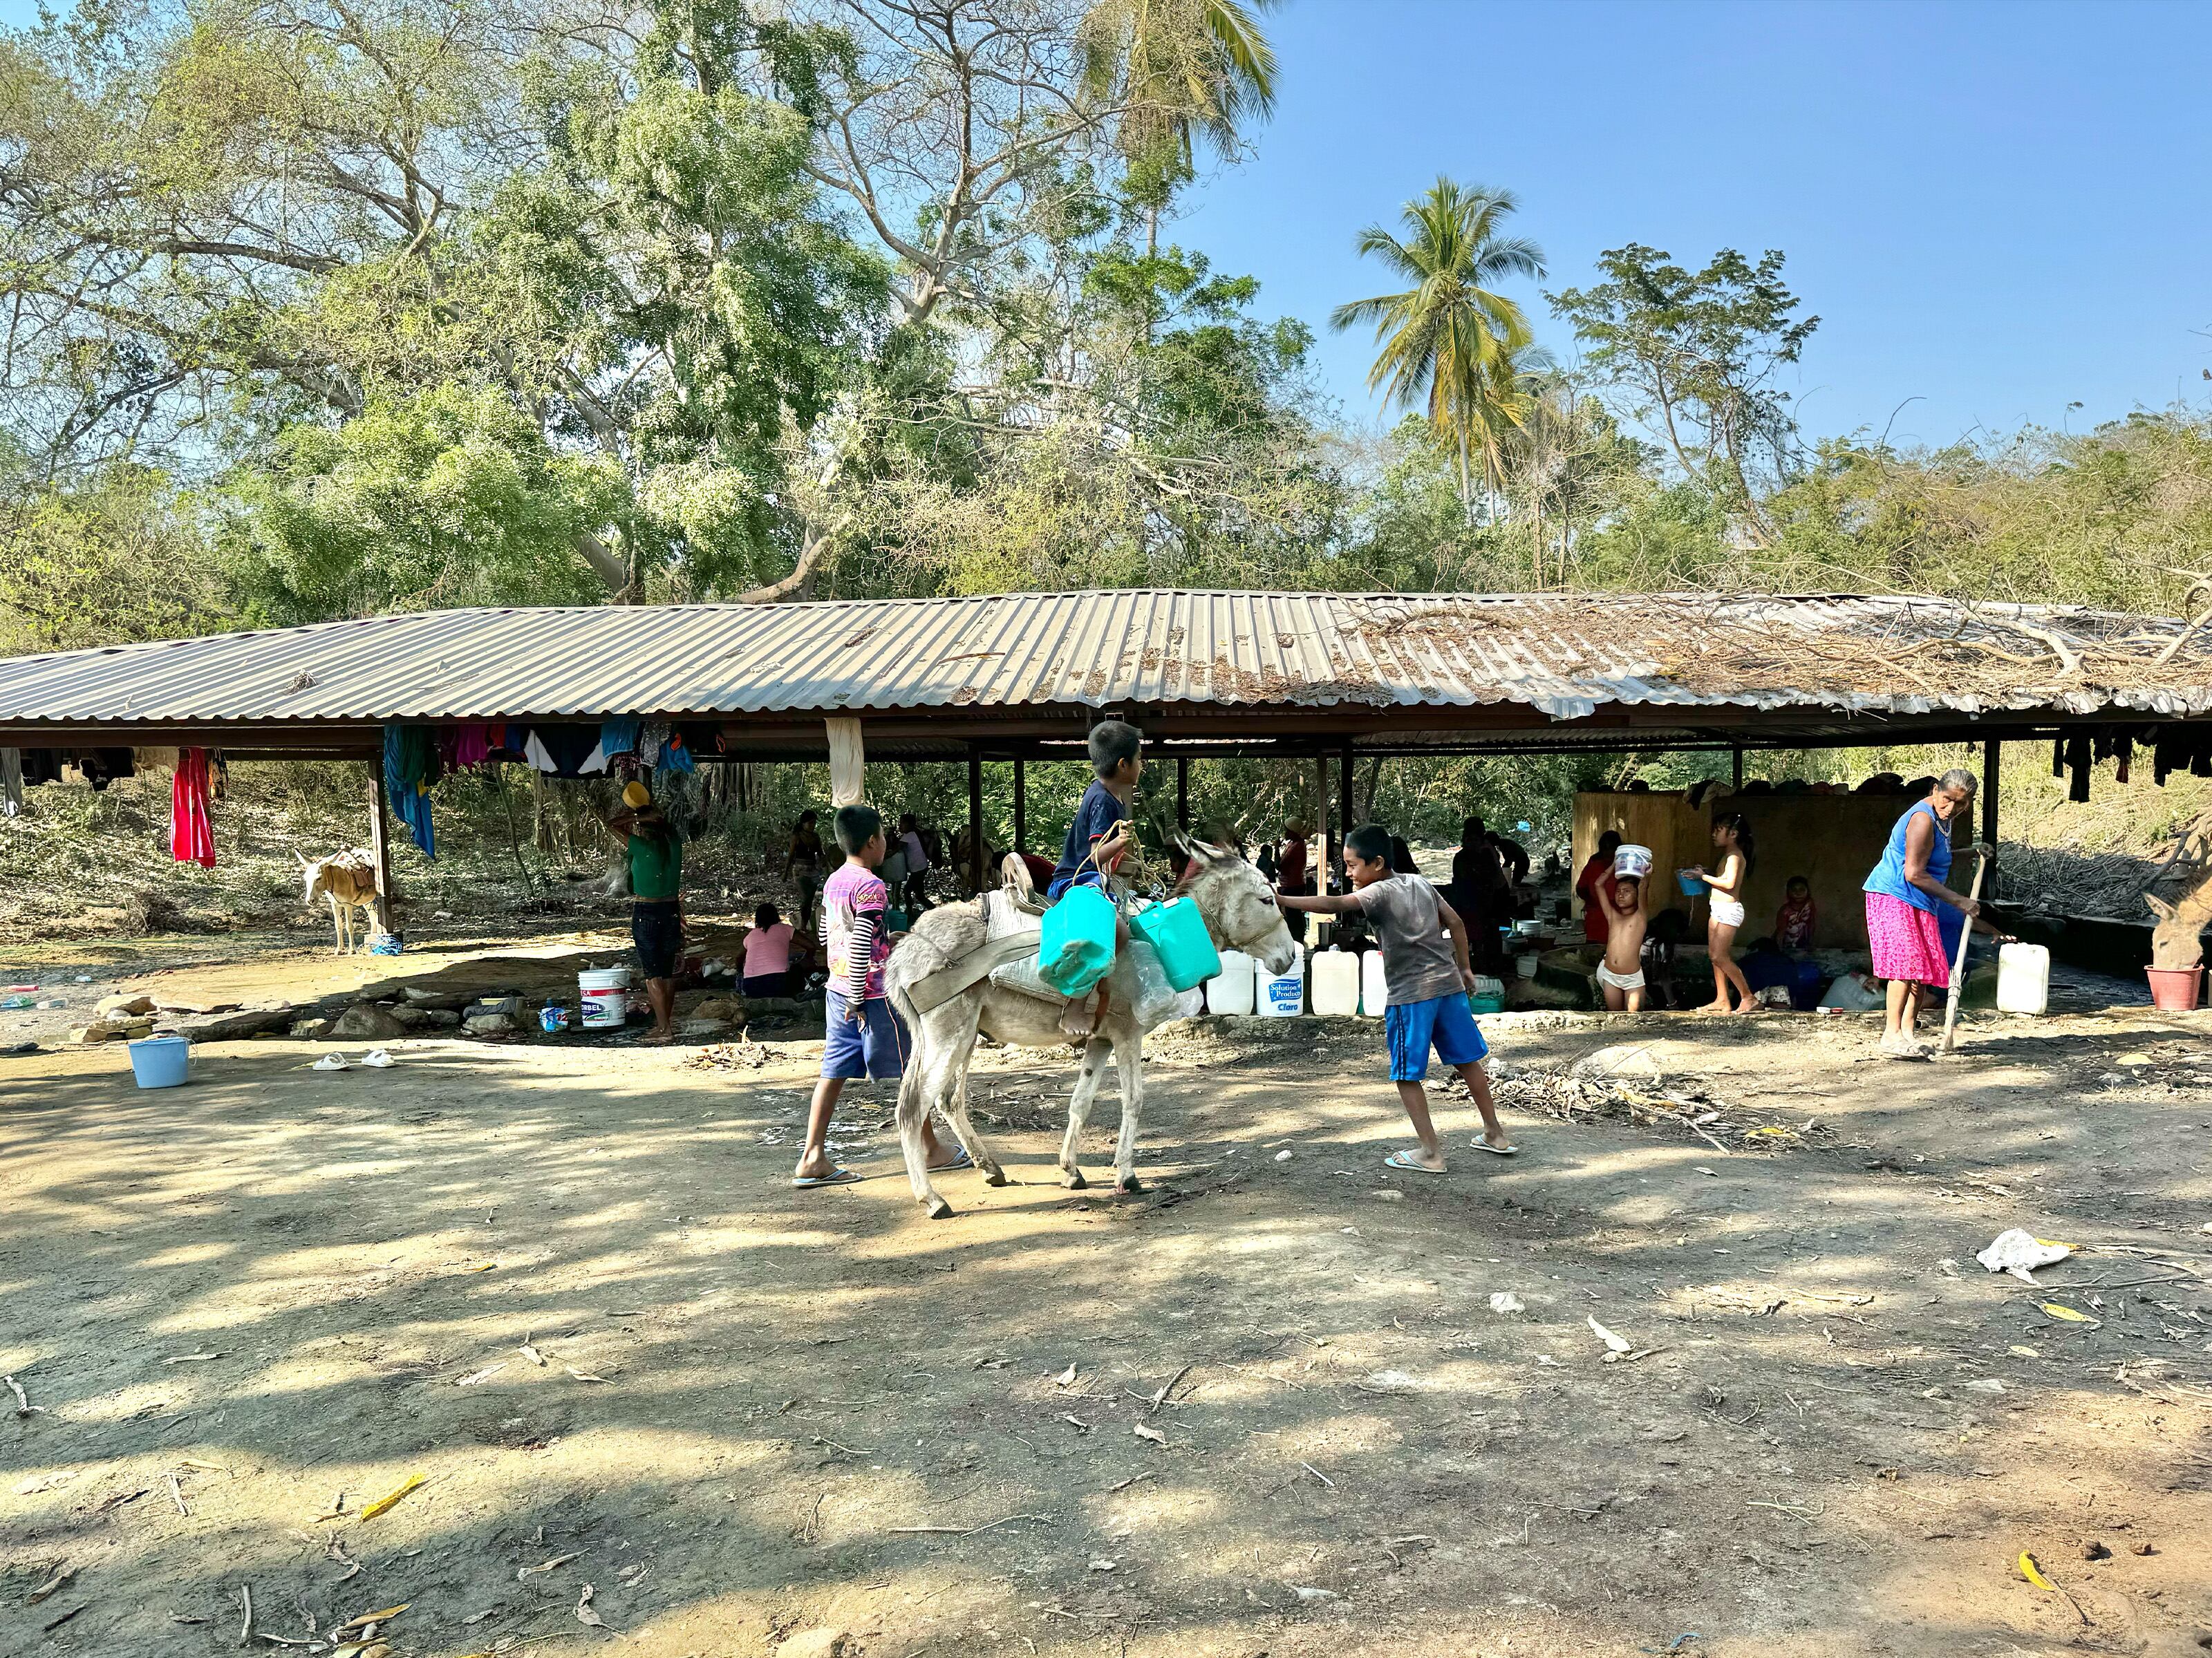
(1621, 973)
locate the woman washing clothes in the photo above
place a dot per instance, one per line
(1909, 909)
(1732, 836)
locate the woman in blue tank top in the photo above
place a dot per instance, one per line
(1907, 905)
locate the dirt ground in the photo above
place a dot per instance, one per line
(659, 1403)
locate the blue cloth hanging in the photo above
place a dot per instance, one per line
(410, 768)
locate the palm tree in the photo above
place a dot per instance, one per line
(1451, 341)
(1178, 68)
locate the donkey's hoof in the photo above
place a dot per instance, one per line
(1129, 1187)
(939, 1208)
(993, 1176)
(1073, 1181)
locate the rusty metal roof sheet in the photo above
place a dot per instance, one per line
(1563, 656)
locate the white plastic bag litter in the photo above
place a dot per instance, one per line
(1155, 997)
(2020, 1253)
(1851, 994)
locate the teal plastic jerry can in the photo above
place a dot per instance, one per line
(1076, 948)
(1178, 931)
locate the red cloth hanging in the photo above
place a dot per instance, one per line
(191, 831)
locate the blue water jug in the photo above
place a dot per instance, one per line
(1076, 947)
(1178, 931)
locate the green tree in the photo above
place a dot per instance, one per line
(235, 228)
(111, 556)
(1696, 355)
(1450, 341)
(1178, 69)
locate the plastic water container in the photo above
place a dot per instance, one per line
(1692, 886)
(1178, 931)
(1283, 996)
(1231, 990)
(604, 997)
(162, 1061)
(1374, 988)
(1488, 995)
(2023, 979)
(1633, 860)
(1075, 950)
(1336, 984)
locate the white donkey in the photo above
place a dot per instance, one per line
(1240, 912)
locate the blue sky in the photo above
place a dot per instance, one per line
(1996, 209)
(1999, 209)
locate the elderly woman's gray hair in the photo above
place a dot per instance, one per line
(1958, 779)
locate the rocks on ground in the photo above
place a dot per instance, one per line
(121, 1030)
(366, 1021)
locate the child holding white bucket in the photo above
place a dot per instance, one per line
(863, 1036)
(1426, 974)
(1627, 914)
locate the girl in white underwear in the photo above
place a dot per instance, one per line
(1732, 837)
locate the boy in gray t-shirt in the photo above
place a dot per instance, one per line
(1426, 976)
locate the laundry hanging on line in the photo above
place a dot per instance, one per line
(410, 766)
(192, 823)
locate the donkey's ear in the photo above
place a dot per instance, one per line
(2159, 906)
(1211, 856)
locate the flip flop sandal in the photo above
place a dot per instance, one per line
(961, 1160)
(834, 1177)
(1404, 1160)
(1481, 1145)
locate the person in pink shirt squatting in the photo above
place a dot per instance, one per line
(766, 946)
(864, 1038)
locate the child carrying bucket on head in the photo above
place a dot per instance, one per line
(1627, 912)
(1098, 840)
(1427, 973)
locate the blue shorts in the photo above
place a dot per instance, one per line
(1445, 1022)
(876, 1047)
(1088, 877)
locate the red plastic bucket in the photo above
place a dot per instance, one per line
(2175, 988)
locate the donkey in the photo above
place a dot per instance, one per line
(1239, 910)
(2177, 941)
(347, 881)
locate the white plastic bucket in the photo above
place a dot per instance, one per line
(1336, 984)
(1284, 996)
(2023, 979)
(1525, 964)
(1232, 991)
(1374, 987)
(1633, 860)
(604, 996)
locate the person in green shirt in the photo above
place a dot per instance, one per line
(656, 915)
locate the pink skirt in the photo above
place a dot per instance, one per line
(1907, 942)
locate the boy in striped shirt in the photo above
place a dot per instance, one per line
(864, 1037)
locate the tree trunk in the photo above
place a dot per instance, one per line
(1466, 482)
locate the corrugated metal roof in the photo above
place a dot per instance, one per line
(1561, 655)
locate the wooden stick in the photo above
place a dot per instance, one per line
(1983, 856)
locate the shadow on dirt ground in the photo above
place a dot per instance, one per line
(1266, 1408)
